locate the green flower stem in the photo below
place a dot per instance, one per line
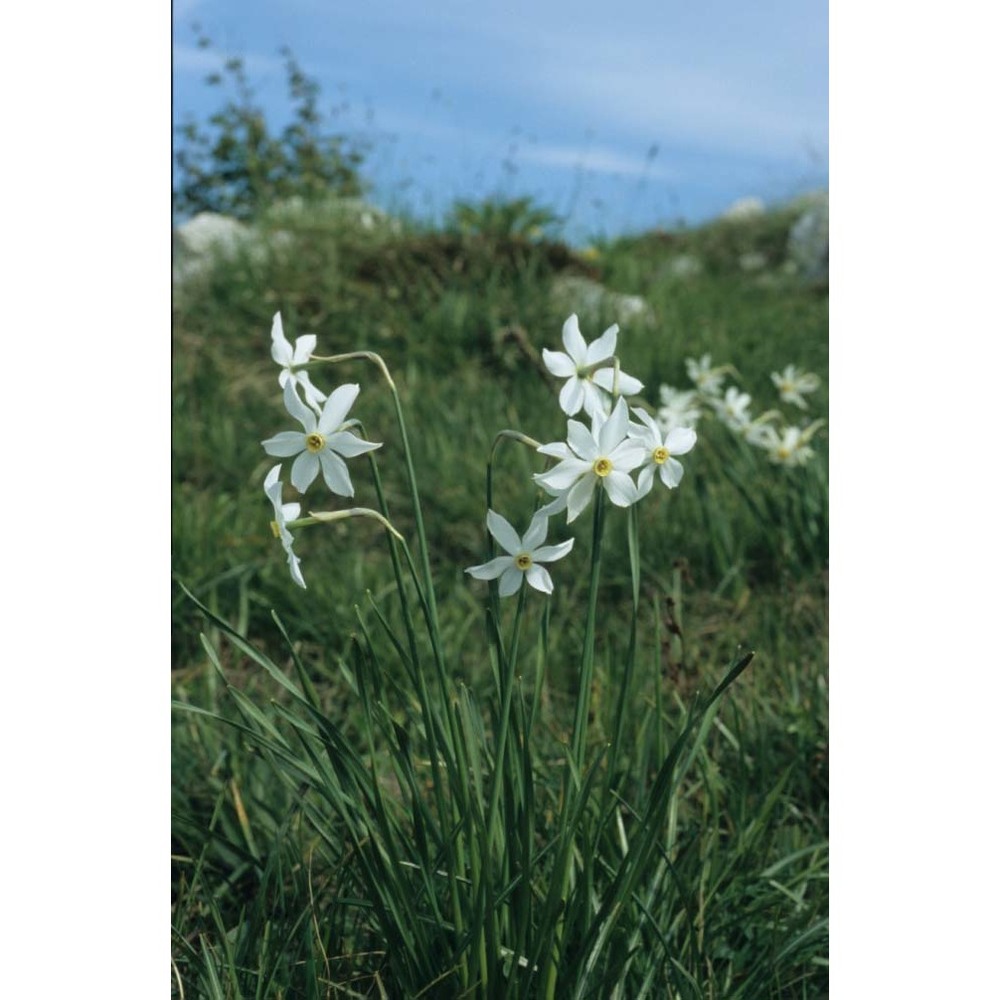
(587, 659)
(579, 743)
(504, 673)
(418, 517)
(624, 683)
(494, 601)
(658, 680)
(509, 671)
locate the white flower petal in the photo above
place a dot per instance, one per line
(285, 444)
(492, 569)
(680, 440)
(646, 475)
(297, 408)
(621, 490)
(281, 350)
(336, 408)
(571, 396)
(550, 553)
(304, 470)
(559, 364)
(304, 346)
(510, 582)
(271, 479)
(604, 346)
(627, 385)
(335, 474)
(313, 396)
(565, 474)
(629, 455)
(581, 441)
(293, 567)
(647, 420)
(349, 445)
(671, 472)
(538, 577)
(502, 530)
(576, 346)
(595, 400)
(646, 438)
(597, 421)
(290, 511)
(536, 532)
(615, 428)
(579, 496)
(556, 506)
(555, 449)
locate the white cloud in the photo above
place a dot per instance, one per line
(583, 156)
(594, 159)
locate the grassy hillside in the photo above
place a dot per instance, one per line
(734, 559)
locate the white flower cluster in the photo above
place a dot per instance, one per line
(621, 440)
(319, 447)
(618, 442)
(785, 444)
(601, 456)
(614, 446)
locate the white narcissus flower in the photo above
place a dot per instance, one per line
(602, 455)
(791, 446)
(524, 555)
(707, 379)
(290, 357)
(283, 513)
(732, 408)
(791, 384)
(583, 388)
(679, 408)
(659, 450)
(759, 431)
(322, 445)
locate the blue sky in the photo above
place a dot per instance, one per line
(620, 116)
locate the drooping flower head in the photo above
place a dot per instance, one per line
(603, 455)
(291, 357)
(589, 390)
(322, 444)
(283, 513)
(524, 555)
(791, 384)
(659, 449)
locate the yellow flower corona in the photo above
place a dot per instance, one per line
(602, 467)
(315, 442)
(660, 455)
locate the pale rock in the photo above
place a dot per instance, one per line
(592, 301)
(809, 238)
(744, 209)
